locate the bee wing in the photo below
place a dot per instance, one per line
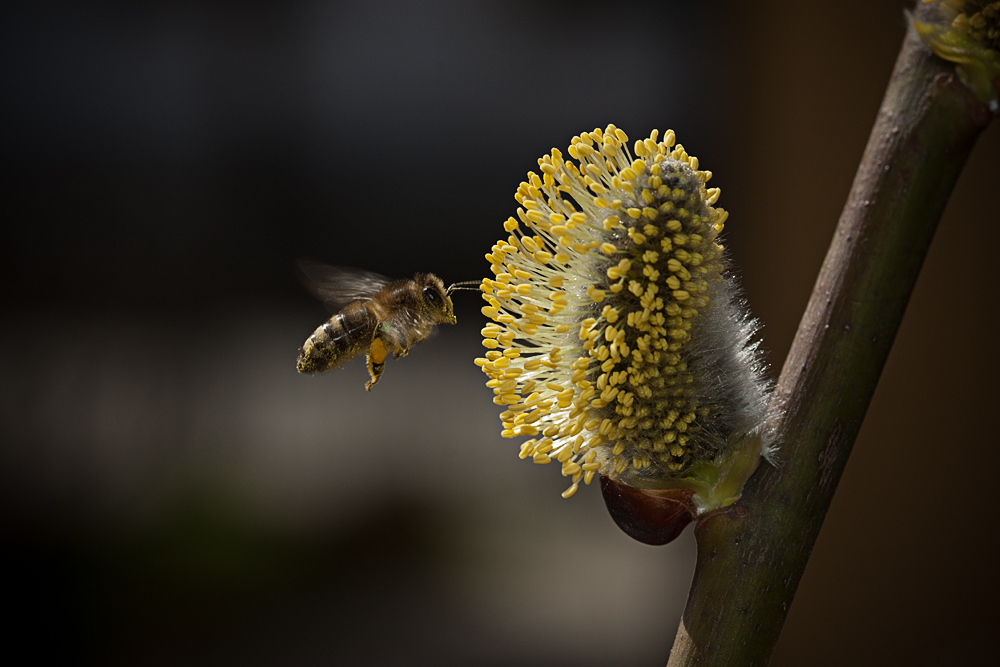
(337, 286)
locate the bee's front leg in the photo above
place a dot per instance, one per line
(376, 362)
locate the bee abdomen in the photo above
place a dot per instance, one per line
(337, 340)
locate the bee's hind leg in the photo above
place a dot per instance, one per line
(376, 362)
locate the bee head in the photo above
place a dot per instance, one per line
(434, 297)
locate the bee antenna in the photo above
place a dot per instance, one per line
(466, 285)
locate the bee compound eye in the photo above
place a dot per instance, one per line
(430, 294)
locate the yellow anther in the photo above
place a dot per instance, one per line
(638, 370)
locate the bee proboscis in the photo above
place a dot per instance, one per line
(372, 313)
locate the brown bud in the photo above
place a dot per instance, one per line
(651, 516)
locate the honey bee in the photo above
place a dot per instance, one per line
(372, 313)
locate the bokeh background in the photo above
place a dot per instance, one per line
(172, 491)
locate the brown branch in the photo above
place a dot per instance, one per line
(751, 557)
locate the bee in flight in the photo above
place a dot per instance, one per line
(373, 314)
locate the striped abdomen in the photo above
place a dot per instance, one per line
(339, 339)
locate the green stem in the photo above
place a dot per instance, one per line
(751, 555)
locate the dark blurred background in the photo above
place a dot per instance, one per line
(172, 491)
